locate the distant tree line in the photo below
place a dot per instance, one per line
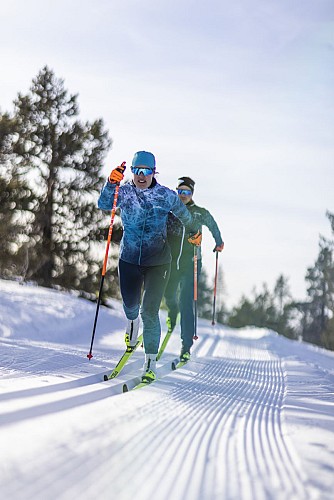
(52, 233)
(311, 320)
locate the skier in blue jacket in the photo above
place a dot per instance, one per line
(145, 254)
(179, 294)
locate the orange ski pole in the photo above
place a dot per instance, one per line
(104, 267)
(195, 337)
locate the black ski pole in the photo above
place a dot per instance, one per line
(215, 292)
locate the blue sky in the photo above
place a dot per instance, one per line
(237, 95)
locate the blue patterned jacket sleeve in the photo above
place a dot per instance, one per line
(106, 199)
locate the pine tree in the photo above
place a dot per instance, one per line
(242, 314)
(281, 293)
(259, 312)
(318, 311)
(284, 308)
(15, 197)
(266, 310)
(60, 157)
(328, 335)
(331, 220)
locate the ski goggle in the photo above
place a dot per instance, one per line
(141, 170)
(186, 192)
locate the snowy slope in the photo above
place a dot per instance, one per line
(250, 417)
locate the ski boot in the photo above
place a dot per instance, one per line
(149, 368)
(131, 333)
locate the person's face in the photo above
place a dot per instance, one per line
(185, 194)
(142, 176)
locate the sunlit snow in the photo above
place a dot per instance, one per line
(251, 416)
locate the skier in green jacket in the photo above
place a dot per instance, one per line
(181, 279)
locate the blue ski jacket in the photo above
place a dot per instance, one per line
(144, 214)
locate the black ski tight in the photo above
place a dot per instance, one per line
(148, 284)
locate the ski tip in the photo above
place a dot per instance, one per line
(125, 388)
(173, 365)
(105, 378)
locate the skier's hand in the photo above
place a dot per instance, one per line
(196, 239)
(117, 175)
(219, 248)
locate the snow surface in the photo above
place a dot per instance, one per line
(251, 416)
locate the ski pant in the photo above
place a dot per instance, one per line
(179, 296)
(153, 280)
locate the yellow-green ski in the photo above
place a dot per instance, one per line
(176, 365)
(127, 387)
(165, 341)
(124, 359)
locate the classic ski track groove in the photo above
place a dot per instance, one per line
(201, 434)
(237, 403)
(232, 419)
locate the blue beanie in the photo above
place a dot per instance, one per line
(144, 158)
